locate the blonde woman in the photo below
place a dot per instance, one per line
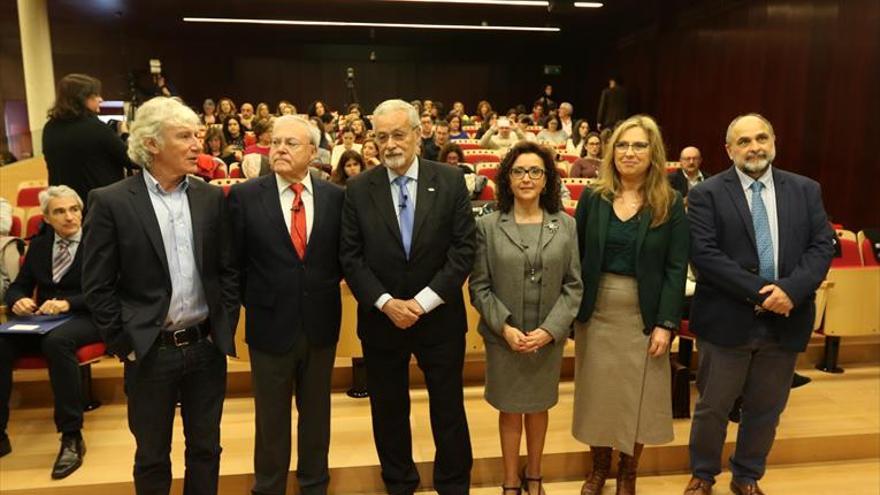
(633, 239)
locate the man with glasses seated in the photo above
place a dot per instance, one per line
(53, 269)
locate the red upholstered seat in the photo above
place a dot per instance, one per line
(488, 172)
(474, 158)
(29, 194)
(849, 254)
(85, 355)
(33, 225)
(868, 258)
(570, 210)
(488, 193)
(569, 157)
(15, 228)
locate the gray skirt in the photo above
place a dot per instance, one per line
(622, 396)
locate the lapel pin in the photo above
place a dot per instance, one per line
(553, 226)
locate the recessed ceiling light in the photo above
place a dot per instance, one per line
(589, 5)
(284, 22)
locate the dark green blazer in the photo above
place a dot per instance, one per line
(661, 260)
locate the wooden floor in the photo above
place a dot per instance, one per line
(834, 419)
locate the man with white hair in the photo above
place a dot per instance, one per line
(760, 246)
(285, 231)
(159, 279)
(407, 247)
(502, 135)
(565, 112)
(49, 283)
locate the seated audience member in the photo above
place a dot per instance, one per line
(52, 270)
(322, 153)
(215, 145)
(455, 130)
(348, 143)
(350, 164)
(360, 130)
(588, 165)
(370, 152)
(564, 113)
(458, 109)
(511, 114)
(209, 112)
(546, 99)
(431, 149)
(263, 111)
(417, 104)
(576, 141)
(489, 122)
(552, 132)
(484, 108)
(226, 108)
(285, 108)
(426, 130)
(452, 154)
(354, 110)
(318, 109)
(502, 136)
(689, 175)
(263, 131)
(233, 133)
(523, 122)
(538, 115)
(247, 116)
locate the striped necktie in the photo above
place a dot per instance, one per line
(62, 260)
(763, 239)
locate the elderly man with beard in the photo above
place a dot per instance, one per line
(760, 245)
(407, 247)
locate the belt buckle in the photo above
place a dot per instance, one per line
(175, 337)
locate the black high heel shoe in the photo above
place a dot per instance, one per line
(526, 480)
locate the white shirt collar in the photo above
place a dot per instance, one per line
(412, 172)
(746, 181)
(74, 238)
(284, 183)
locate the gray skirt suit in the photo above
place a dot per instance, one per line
(528, 276)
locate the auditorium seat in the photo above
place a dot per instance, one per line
(18, 214)
(488, 192)
(851, 298)
(219, 173)
(34, 222)
(570, 158)
(563, 172)
(86, 355)
(849, 250)
(234, 171)
(866, 250)
(471, 131)
(29, 193)
(671, 167)
(481, 155)
(488, 170)
(576, 186)
(467, 144)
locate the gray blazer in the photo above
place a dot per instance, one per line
(496, 283)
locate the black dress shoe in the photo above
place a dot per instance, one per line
(5, 445)
(70, 457)
(799, 380)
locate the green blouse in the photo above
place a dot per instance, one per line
(620, 245)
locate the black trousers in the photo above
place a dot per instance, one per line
(388, 385)
(303, 373)
(196, 374)
(59, 347)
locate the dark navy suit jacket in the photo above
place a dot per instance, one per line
(283, 294)
(725, 258)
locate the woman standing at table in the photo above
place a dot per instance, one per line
(526, 286)
(633, 240)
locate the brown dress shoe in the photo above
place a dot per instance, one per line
(745, 488)
(601, 468)
(698, 486)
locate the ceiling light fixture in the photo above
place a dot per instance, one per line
(513, 3)
(589, 5)
(282, 22)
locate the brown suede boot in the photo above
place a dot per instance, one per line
(627, 471)
(601, 468)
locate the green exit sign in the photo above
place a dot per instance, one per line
(552, 70)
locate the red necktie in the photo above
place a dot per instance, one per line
(298, 221)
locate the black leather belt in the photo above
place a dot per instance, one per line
(184, 336)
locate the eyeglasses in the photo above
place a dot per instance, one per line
(398, 136)
(289, 142)
(638, 147)
(535, 173)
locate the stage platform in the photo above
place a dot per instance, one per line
(828, 442)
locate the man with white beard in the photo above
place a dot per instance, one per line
(760, 246)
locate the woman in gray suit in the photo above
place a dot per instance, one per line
(526, 284)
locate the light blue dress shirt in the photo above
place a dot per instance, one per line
(188, 305)
(427, 298)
